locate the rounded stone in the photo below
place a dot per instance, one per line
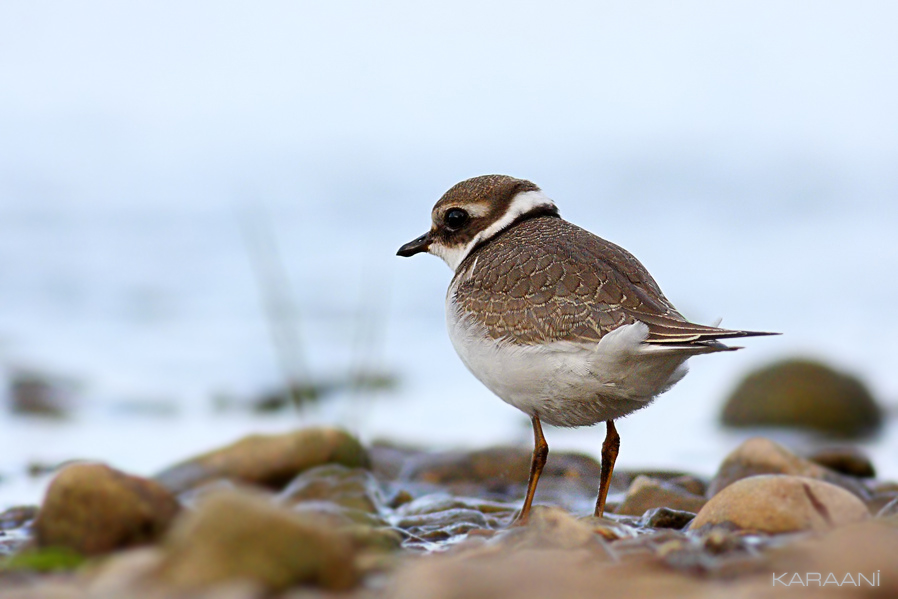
(779, 504)
(760, 455)
(269, 461)
(846, 460)
(236, 536)
(648, 493)
(803, 394)
(663, 517)
(94, 509)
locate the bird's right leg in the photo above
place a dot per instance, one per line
(540, 454)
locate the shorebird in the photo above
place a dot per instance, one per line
(567, 327)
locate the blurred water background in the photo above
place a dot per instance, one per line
(168, 170)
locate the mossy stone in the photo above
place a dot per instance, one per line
(803, 394)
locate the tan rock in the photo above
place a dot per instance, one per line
(647, 493)
(779, 504)
(268, 460)
(94, 509)
(760, 455)
(241, 536)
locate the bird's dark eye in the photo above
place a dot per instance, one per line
(455, 218)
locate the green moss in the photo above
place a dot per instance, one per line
(50, 559)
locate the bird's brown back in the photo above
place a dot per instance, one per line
(545, 280)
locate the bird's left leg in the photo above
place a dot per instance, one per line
(610, 448)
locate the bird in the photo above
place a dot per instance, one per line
(563, 325)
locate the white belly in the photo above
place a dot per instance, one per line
(565, 383)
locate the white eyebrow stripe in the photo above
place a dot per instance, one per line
(521, 204)
(477, 210)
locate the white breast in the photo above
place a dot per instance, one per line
(565, 383)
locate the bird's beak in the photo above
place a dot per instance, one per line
(415, 246)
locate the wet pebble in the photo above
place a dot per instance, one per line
(445, 524)
(17, 517)
(647, 493)
(665, 517)
(94, 509)
(440, 502)
(354, 488)
(337, 514)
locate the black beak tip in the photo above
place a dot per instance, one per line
(416, 246)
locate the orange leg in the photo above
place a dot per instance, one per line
(540, 454)
(610, 448)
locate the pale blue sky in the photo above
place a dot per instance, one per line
(181, 78)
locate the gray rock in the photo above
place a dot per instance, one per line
(663, 517)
